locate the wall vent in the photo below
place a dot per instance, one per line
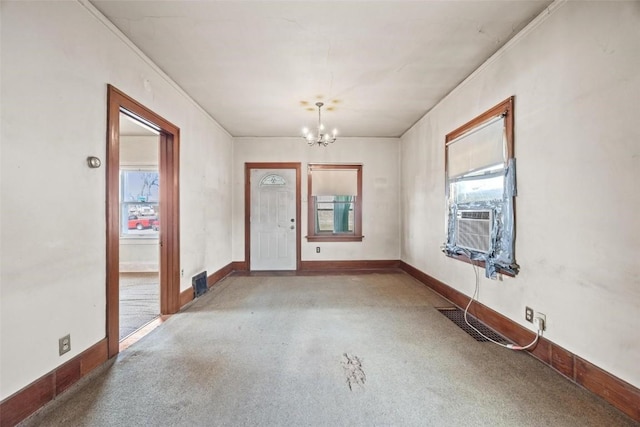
(199, 283)
(473, 229)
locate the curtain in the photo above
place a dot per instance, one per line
(341, 213)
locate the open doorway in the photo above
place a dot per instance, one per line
(154, 204)
(139, 225)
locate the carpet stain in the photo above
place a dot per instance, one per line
(352, 366)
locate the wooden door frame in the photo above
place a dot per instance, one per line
(247, 206)
(169, 238)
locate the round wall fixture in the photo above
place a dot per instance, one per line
(93, 162)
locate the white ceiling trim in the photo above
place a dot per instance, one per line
(550, 10)
(122, 37)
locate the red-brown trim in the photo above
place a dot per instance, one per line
(247, 206)
(334, 237)
(620, 394)
(113, 221)
(329, 266)
(186, 296)
(169, 210)
(312, 236)
(239, 266)
(562, 361)
(219, 275)
(617, 392)
(93, 357)
(505, 107)
(25, 402)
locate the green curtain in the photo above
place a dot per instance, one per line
(341, 213)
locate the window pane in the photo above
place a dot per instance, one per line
(334, 214)
(139, 220)
(139, 208)
(478, 190)
(325, 220)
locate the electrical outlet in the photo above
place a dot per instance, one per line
(540, 321)
(182, 273)
(64, 344)
(317, 249)
(528, 314)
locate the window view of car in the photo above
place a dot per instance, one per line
(142, 223)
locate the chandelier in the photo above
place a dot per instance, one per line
(320, 138)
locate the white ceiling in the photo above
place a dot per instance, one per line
(131, 127)
(258, 67)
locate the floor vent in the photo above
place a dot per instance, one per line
(199, 283)
(457, 316)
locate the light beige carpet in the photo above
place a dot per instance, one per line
(361, 350)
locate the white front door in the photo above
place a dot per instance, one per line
(273, 219)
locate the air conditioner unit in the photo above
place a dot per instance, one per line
(473, 229)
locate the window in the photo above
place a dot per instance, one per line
(480, 191)
(334, 203)
(139, 197)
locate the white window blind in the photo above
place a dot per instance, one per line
(478, 149)
(343, 182)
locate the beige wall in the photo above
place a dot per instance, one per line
(57, 59)
(575, 73)
(138, 150)
(380, 218)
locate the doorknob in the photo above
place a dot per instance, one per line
(293, 220)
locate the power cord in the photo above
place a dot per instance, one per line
(509, 346)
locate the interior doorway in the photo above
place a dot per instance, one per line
(272, 216)
(156, 210)
(139, 274)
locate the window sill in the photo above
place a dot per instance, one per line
(481, 264)
(335, 238)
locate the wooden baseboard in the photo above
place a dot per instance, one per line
(25, 402)
(328, 266)
(219, 275)
(617, 392)
(187, 295)
(240, 266)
